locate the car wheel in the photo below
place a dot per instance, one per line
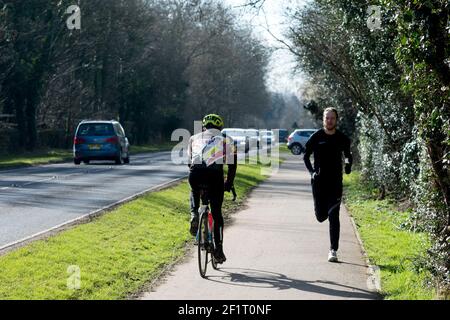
(126, 160)
(76, 161)
(119, 158)
(86, 161)
(296, 149)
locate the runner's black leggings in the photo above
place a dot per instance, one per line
(213, 180)
(327, 193)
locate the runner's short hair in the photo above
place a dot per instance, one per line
(331, 109)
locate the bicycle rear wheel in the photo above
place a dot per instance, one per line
(203, 243)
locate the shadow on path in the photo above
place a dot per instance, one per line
(266, 279)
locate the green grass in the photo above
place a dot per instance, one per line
(37, 157)
(397, 252)
(117, 254)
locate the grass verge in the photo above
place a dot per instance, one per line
(397, 251)
(114, 256)
(33, 158)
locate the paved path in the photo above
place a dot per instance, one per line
(276, 250)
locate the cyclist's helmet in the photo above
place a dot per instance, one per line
(213, 120)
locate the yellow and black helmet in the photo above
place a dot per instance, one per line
(213, 120)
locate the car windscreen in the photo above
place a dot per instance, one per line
(96, 129)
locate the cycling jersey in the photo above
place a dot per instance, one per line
(211, 147)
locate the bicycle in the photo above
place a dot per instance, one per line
(205, 233)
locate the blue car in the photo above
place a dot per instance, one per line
(100, 140)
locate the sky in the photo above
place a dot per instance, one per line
(271, 16)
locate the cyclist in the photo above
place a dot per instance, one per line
(208, 151)
(328, 144)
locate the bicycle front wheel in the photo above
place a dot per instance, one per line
(212, 246)
(203, 243)
(214, 263)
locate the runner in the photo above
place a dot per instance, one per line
(327, 145)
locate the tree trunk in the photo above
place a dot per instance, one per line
(31, 106)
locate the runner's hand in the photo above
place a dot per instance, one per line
(348, 168)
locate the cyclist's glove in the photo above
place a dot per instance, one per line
(314, 175)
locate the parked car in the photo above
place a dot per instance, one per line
(266, 137)
(253, 137)
(100, 140)
(297, 140)
(240, 138)
(282, 135)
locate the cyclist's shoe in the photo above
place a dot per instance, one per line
(194, 226)
(219, 256)
(332, 256)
